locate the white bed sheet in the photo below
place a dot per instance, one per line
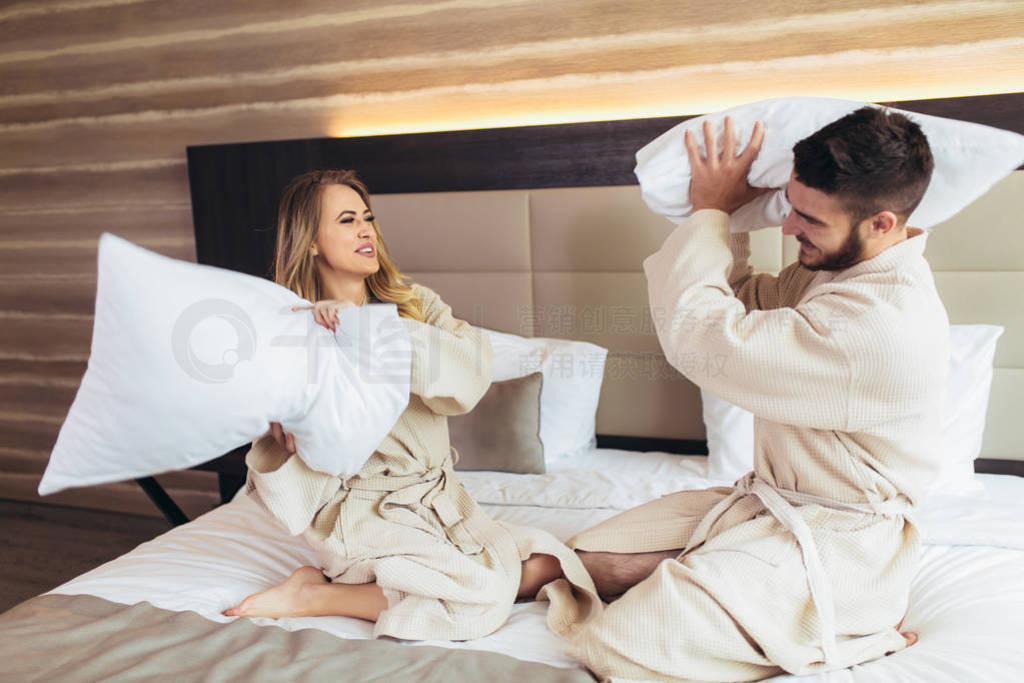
(967, 602)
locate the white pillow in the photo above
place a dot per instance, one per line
(972, 349)
(730, 435)
(573, 372)
(969, 159)
(190, 361)
(730, 429)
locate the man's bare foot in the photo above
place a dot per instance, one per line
(286, 599)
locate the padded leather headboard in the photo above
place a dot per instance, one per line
(566, 262)
(542, 231)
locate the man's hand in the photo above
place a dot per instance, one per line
(720, 181)
(285, 441)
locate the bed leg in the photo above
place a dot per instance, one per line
(172, 513)
(228, 485)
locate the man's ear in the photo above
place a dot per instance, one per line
(883, 223)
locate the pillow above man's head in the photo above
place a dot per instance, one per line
(189, 362)
(968, 159)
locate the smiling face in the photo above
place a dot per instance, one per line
(829, 240)
(346, 242)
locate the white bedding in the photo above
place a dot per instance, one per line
(967, 602)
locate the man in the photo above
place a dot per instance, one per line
(805, 565)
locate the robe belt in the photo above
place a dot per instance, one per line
(780, 503)
(437, 489)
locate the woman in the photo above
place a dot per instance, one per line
(401, 543)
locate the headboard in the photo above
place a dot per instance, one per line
(541, 231)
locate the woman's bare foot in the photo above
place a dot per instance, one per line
(286, 599)
(538, 570)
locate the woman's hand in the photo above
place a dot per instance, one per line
(325, 312)
(285, 441)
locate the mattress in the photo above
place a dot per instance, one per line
(967, 601)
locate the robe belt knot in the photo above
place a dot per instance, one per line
(436, 489)
(780, 503)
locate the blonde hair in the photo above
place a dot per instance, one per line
(298, 225)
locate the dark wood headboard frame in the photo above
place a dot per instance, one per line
(235, 190)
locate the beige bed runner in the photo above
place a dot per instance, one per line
(83, 638)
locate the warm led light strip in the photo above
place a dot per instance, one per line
(989, 68)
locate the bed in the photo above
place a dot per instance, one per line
(552, 198)
(156, 611)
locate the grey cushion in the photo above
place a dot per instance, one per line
(502, 433)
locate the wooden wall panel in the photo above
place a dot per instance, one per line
(74, 223)
(99, 99)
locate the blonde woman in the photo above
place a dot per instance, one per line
(401, 543)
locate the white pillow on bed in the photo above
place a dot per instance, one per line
(969, 159)
(573, 372)
(190, 361)
(972, 349)
(730, 434)
(730, 429)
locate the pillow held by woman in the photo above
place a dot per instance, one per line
(189, 362)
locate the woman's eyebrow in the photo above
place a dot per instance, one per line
(367, 211)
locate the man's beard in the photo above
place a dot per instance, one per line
(849, 253)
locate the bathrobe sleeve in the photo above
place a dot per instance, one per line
(451, 359)
(788, 364)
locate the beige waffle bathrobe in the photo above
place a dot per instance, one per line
(405, 521)
(805, 564)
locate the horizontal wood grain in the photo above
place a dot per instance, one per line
(27, 436)
(80, 257)
(160, 185)
(30, 397)
(74, 225)
(175, 43)
(298, 75)
(60, 372)
(76, 296)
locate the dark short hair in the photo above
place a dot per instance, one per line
(872, 160)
